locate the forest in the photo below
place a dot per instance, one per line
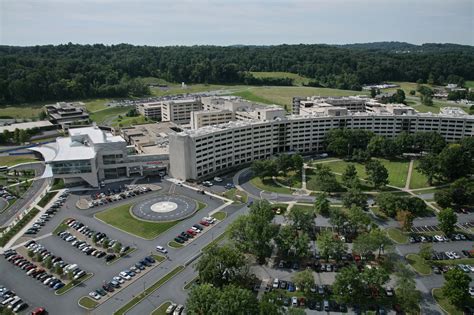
(71, 71)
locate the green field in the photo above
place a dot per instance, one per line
(10, 160)
(236, 195)
(418, 180)
(121, 218)
(96, 104)
(23, 111)
(269, 185)
(397, 170)
(109, 115)
(283, 95)
(469, 84)
(397, 235)
(292, 179)
(129, 121)
(419, 264)
(297, 79)
(302, 207)
(249, 96)
(194, 88)
(175, 244)
(47, 198)
(221, 215)
(161, 310)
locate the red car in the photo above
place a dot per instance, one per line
(190, 231)
(205, 223)
(38, 311)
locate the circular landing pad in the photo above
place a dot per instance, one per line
(164, 208)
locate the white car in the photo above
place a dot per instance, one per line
(218, 179)
(118, 279)
(450, 255)
(276, 283)
(125, 275)
(94, 295)
(438, 238)
(456, 255)
(161, 249)
(471, 291)
(195, 229)
(471, 267)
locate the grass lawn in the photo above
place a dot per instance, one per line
(109, 114)
(61, 227)
(58, 183)
(379, 214)
(190, 283)
(419, 264)
(249, 96)
(22, 111)
(87, 302)
(292, 179)
(130, 121)
(269, 185)
(96, 104)
(161, 310)
(446, 305)
(175, 244)
(297, 79)
(73, 284)
(283, 95)
(302, 207)
(418, 180)
(121, 218)
(221, 215)
(9, 160)
(397, 170)
(283, 207)
(193, 88)
(397, 235)
(47, 198)
(148, 291)
(236, 195)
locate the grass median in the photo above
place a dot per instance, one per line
(73, 283)
(446, 305)
(148, 291)
(47, 198)
(221, 215)
(419, 264)
(87, 303)
(15, 229)
(397, 235)
(161, 310)
(175, 244)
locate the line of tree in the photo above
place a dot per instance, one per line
(72, 71)
(18, 135)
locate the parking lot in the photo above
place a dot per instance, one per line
(39, 295)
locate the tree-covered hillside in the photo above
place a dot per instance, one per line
(78, 71)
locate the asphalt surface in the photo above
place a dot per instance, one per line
(36, 189)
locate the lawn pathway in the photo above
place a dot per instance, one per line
(410, 170)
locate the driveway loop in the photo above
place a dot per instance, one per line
(164, 208)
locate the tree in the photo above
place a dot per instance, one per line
(38, 257)
(322, 205)
(338, 218)
(284, 163)
(304, 280)
(456, 286)
(443, 198)
(426, 250)
(290, 241)
(30, 253)
(202, 300)
(375, 240)
(348, 286)
(454, 162)
(234, 300)
(429, 166)
(117, 246)
(330, 246)
(326, 179)
(447, 219)
(264, 168)
(405, 218)
(59, 270)
(221, 265)
(94, 238)
(106, 243)
(270, 304)
(408, 297)
(355, 197)
(349, 175)
(412, 92)
(302, 218)
(358, 219)
(70, 275)
(377, 174)
(254, 232)
(297, 162)
(48, 262)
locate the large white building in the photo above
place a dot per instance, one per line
(150, 109)
(90, 155)
(179, 111)
(206, 151)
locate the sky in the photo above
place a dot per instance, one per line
(231, 22)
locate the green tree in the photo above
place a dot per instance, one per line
(338, 218)
(70, 275)
(326, 179)
(348, 286)
(221, 265)
(254, 232)
(456, 286)
(330, 246)
(322, 205)
(304, 280)
(375, 240)
(405, 218)
(38, 257)
(94, 238)
(30, 253)
(302, 218)
(297, 162)
(426, 250)
(377, 174)
(234, 300)
(358, 219)
(290, 241)
(202, 300)
(454, 162)
(269, 304)
(349, 175)
(407, 295)
(264, 168)
(447, 220)
(23, 136)
(117, 246)
(355, 197)
(58, 270)
(48, 262)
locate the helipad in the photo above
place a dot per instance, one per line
(164, 208)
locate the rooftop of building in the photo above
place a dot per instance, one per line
(27, 125)
(151, 138)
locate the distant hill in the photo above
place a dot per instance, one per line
(398, 47)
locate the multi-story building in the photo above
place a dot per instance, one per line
(179, 111)
(150, 110)
(89, 156)
(206, 151)
(67, 114)
(210, 117)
